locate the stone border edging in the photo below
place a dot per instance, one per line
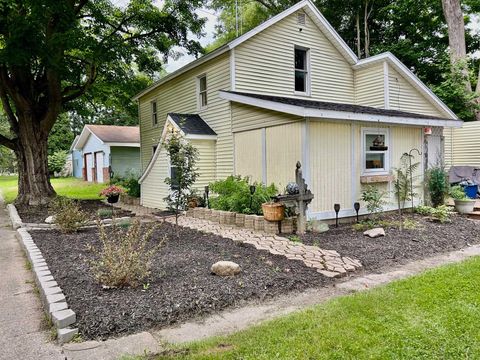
(14, 217)
(51, 295)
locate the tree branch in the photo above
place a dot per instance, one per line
(7, 142)
(80, 90)
(12, 119)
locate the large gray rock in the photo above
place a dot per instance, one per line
(374, 233)
(225, 268)
(317, 226)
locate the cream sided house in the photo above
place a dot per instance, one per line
(289, 90)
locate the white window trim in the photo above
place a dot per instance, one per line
(154, 124)
(199, 101)
(386, 160)
(308, 71)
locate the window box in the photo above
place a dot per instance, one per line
(374, 179)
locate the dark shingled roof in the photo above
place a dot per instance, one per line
(192, 124)
(323, 105)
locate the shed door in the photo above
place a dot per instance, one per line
(89, 166)
(99, 166)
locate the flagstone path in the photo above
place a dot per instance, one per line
(327, 262)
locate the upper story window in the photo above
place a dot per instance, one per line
(154, 113)
(375, 151)
(302, 67)
(202, 92)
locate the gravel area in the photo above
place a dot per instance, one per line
(38, 214)
(181, 286)
(398, 247)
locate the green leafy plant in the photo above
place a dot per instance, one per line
(129, 182)
(124, 256)
(69, 217)
(404, 180)
(295, 238)
(56, 161)
(373, 197)
(437, 183)
(442, 213)
(457, 193)
(103, 213)
(183, 157)
(233, 194)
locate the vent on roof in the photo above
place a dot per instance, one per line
(301, 18)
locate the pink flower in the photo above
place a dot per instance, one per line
(112, 190)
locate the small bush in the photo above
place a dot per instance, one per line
(458, 193)
(129, 182)
(103, 213)
(442, 213)
(56, 161)
(233, 194)
(123, 258)
(374, 199)
(437, 181)
(69, 217)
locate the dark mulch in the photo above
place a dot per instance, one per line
(181, 285)
(38, 214)
(397, 247)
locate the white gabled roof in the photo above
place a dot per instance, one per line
(306, 5)
(408, 75)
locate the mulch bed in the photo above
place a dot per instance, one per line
(181, 286)
(38, 214)
(397, 247)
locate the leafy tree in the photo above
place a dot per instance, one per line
(183, 157)
(61, 136)
(56, 161)
(7, 157)
(54, 52)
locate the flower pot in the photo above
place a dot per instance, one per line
(113, 199)
(464, 206)
(273, 211)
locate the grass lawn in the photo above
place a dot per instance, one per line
(70, 187)
(431, 316)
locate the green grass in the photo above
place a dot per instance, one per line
(435, 315)
(70, 187)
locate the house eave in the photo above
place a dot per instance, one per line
(313, 114)
(121, 144)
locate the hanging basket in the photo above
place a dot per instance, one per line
(273, 211)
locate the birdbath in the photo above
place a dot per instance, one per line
(299, 202)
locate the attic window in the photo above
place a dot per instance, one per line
(301, 19)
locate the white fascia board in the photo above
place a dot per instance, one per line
(82, 139)
(410, 76)
(200, 137)
(182, 70)
(120, 144)
(336, 115)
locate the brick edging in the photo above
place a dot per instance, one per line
(14, 217)
(52, 297)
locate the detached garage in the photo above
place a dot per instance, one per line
(108, 151)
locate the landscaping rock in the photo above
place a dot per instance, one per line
(50, 219)
(318, 226)
(225, 268)
(374, 233)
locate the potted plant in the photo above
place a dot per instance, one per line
(273, 211)
(463, 204)
(112, 193)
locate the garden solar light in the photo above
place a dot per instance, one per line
(252, 191)
(356, 206)
(336, 207)
(207, 190)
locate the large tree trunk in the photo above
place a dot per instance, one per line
(34, 186)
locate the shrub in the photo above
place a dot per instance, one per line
(105, 213)
(437, 182)
(124, 257)
(457, 193)
(374, 199)
(129, 182)
(56, 161)
(233, 194)
(69, 217)
(442, 213)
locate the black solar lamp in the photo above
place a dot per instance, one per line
(356, 206)
(336, 207)
(207, 190)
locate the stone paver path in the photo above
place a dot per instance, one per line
(327, 262)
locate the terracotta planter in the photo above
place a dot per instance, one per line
(464, 206)
(273, 211)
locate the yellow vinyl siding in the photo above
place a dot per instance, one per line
(180, 95)
(246, 117)
(462, 146)
(265, 63)
(369, 86)
(330, 165)
(283, 150)
(404, 97)
(154, 189)
(205, 163)
(248, 154)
